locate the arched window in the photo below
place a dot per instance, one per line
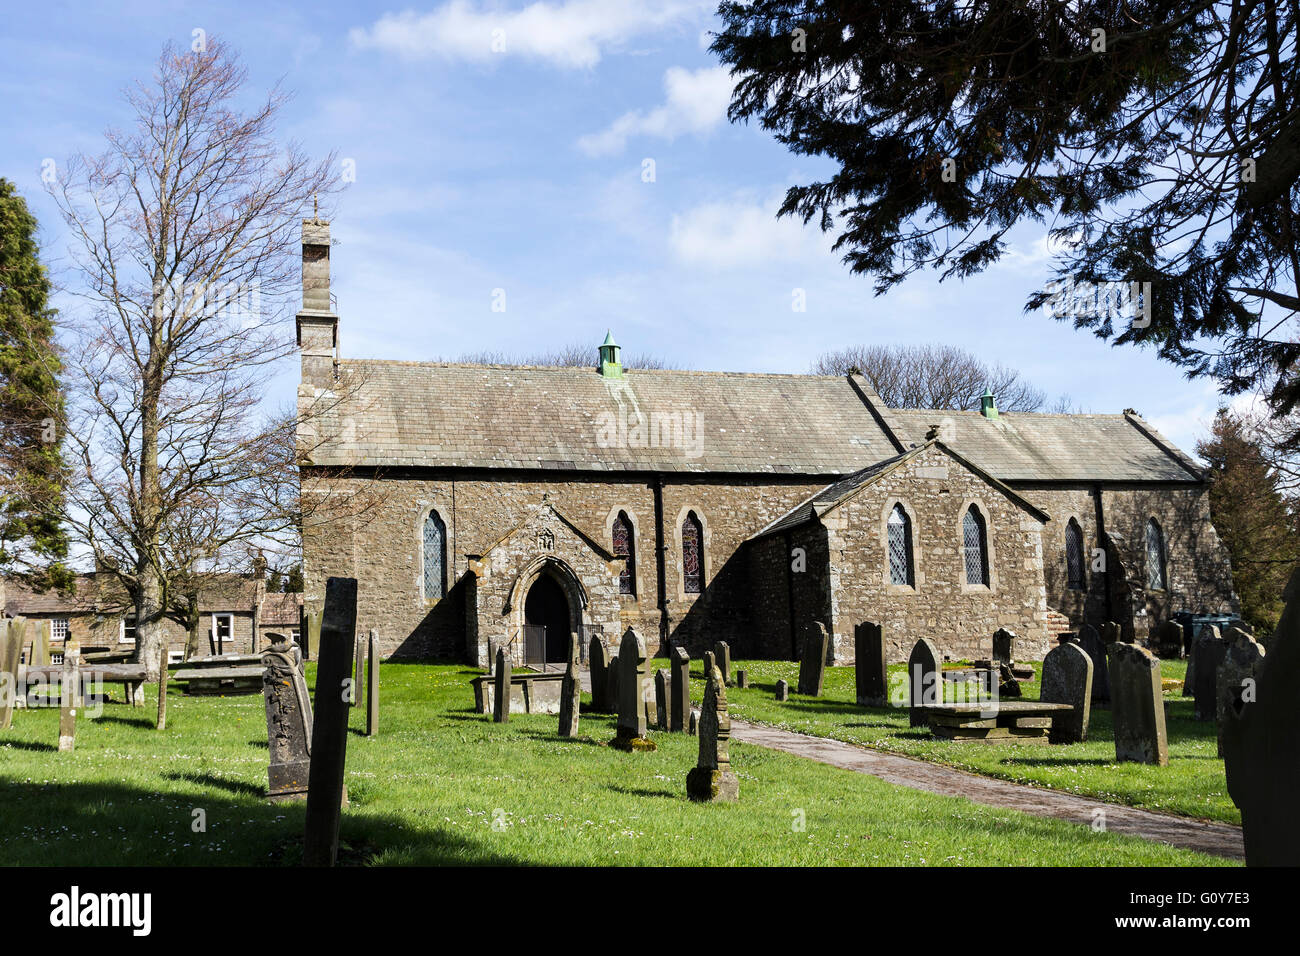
(1155, 556)
(975, 548)
(1074, 556)
(899, 528)
(692, 554)
(435, 557)
(624, 547)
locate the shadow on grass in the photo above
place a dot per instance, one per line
(557, 739)
(28, 745)
(643, 792)
(240, 787)
(148, 723)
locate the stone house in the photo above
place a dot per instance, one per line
(514, 505)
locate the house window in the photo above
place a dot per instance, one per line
(692, 556)
(624, 547)
(899, 532)
(435, 557)
(975, 546)
(223, 631)
(1074, 556)
(126, 629)
(1155, 556)
(59, 629)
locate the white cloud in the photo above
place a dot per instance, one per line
(742, 233)
(696, 102)
(570, 33)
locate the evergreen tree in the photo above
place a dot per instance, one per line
(1255, 522)
(32, 473)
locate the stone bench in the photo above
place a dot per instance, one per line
(994, 722)
(530, 693)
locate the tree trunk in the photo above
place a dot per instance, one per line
(150, 625)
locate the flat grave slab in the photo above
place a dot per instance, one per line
(994, 722)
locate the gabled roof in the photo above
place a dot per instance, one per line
(837, 493)
(604, 553)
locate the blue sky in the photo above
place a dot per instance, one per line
(502, 146)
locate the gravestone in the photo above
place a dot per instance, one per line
(812, 661)
(1067, 679)
(1261, 747)
(69, 696)
(612, 677)
(163, 675)
(288, 721)
(708, 661)
(924, 681)
(680, 714)
(742, 678)
(309, 633)
(1137, 705)
(1169, 640)
(1004, 646)
(712, 779)
(782, 690)
(632, 726)
(1095, 648)
(11, 650)
(694, 720)
(41, 644)
(1238, 680)
(869, 664)
(372, 685)
(722, 660)
(663, 703)
(359, 677)
(1112, 633)
(501, 688)
(598, 664)
(571, 691)
(329, 736)
(1208, 652)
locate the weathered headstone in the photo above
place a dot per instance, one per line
(869, 664)
(1238, 681)
(359, 677)
(812, 660)
(571, 691)
(1004, 646)
(663, 702)
(1208, 652)
(632, 726)
(1112, 633)
(372, 685)
(924, 681)
(722, 660)
(11, 650)
(1137, 705)
(1169, 640)
(69, 696)
(288, 721)
(712, 779)
(1067, 679)
(309, 632)
(681, 691)
(329, 738)
(501, 687)
(742, 678)
(708, 661)
(1095, 648)
(694, 721)
(612, 677)
(1261, 747)
(598, 663)
(782, 690)
(163, 675)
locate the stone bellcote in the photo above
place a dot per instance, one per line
(318, 325)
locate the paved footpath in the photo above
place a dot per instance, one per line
(1219, 839)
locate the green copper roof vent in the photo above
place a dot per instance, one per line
(987, 407)
(610, 366)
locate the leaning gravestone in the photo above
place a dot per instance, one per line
(288, 721)
(1238, 679)
(1137, 705)
(11, 650)
(869, 664)
(1261, 747)
(1208, 651)
(597, 661)
(924, 681)
(1169, 640)
(326, 794)
(631, 734)
(722, 658)
(782, 690)
(681, 691)
(812, 662)
(712, 779)
(69, 696)
(501, 688)
(1095, 648)
(1004, 646)
(662, 702)
(1067, 679)
(571, 691)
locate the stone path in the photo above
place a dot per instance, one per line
(1218, 839)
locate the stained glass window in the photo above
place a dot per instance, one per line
(692, 563)
(900, 546)
(975, 546)
(623, 547)
(1155, 556)
(1074, 556)
(435, 555)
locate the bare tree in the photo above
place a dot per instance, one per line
(931, 376)
(185, 234)
(573, 355)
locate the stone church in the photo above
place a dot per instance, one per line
(514, 505)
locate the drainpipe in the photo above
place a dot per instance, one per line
(661, 560)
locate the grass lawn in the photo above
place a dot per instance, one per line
(1193, 784)
(444, 785)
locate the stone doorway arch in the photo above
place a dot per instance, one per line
(549, 592)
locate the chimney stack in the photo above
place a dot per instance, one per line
(318, 326)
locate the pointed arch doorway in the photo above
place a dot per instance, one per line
(547, 606)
